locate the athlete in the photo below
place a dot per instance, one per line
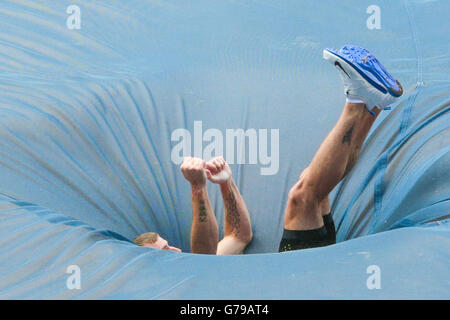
(204, 232)
(308, 222)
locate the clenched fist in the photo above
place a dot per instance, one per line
(194, 171)
(218, 171)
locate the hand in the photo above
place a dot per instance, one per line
(218, 171)
(194, 171)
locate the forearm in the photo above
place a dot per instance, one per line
(237, 217)
(204, 233)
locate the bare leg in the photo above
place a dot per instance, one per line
(308, 198)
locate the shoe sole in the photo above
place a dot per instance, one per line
(344, 64)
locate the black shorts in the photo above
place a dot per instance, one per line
(304, 239)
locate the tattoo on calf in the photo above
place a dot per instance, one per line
(232, 216)
(347, 138)
(202, 211)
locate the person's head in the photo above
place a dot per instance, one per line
(153, 240)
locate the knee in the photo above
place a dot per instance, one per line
(302, 209)
(302, 193)
(246, 237)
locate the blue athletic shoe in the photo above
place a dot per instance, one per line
(364, 77)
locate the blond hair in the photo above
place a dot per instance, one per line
(148, 237)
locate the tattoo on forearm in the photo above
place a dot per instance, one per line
(347, 138)
(232, 213)
(202, 217)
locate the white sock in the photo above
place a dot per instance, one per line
(353, 100)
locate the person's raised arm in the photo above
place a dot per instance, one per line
(238, 230)
(204, 232)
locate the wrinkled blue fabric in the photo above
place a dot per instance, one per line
(86, 123)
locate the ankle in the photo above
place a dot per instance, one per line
(354, 100)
